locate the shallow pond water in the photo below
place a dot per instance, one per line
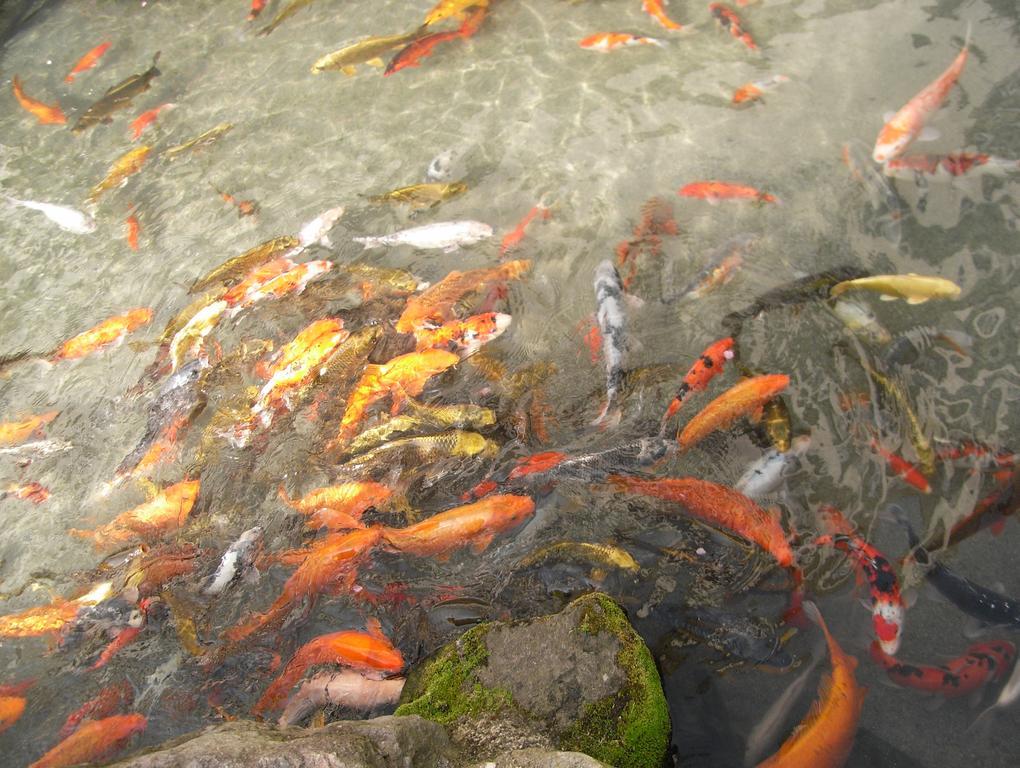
(527, 116)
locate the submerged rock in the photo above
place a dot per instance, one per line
(580, 680)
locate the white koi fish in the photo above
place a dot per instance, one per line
(237, 560)
(447, 236)
(66, 218)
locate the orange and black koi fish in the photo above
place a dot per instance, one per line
(999, 458)
(728, 20)
(705, 368)
(983, 663)
(887, 608)
(513, 238)
(47, 114)
(714, 191)
(423, 47)
(991, 511)
(88, 61)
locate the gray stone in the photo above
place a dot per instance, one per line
(384, 742)
(540, 758)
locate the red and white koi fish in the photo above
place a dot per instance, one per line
(604, 42)
(887, 608)
(953, 165)
(714, 191)
(754, 90)
(705, 368)
(728, 20)
(903, 468)
(87, 61)
(656, 9)
(981, 664)
(906, 125)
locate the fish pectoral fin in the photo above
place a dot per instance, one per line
(887, 297)
(451, 248)
(376, 62)
(917, 299)
(929, 134)
(349, 70)
(481, 543)
(887, 116)
(374, 628)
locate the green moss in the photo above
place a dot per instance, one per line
(630, 729)
(441, 691)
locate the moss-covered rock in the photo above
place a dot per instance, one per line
(579, 680)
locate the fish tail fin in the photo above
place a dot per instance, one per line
(155, 60)
(23, 355)
(966, 37)
(282, 493)
(609, 416)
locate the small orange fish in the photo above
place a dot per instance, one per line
(87, 61)
(124, 638)
(33, 492)
(474, 525)
(257, 7)
(11, 709)
(341, 503)
(513, 238)
(166, 512)
(655, 9)
(51, 618)
(15, 432)
(714, 191)
(754, 90)
(94, 740)
(244, 207)
(729, 20)
(131, 230)
(45, 113)
(146, 119)
(255, 278)
(111, 331)
(126, 165)
(824, 738)
(369, 652)
(746, 398)
(604, 42)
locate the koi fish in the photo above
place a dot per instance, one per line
(826, 736)
(88, 61)
(714, 191)
(257, 6)
(860, 321)
(232, 269)
(167, 512)
(370, 652)
(109, 332)
(147, 118)
(33, 492)
(754, 90)
(317, 230)
(906, 125)
(202, 140)
(953, 165)
(103, 704)
(915, 289)
(436, 452)
(708, 365)
(47, 619)
(982, 663)
(126, 165)
(611, 320)
(244, 207)
(463, 337)
(722, 265)
(422, 195)
(236, 561)
(15, 432)
(601, 555)
(903, 469)
(131, 231)
(719, 506)
(117, 97)
(423, 419)
(46, 114)
(255, 279)
(986, 454)
(775, 424)
(728, 19)
(437, 304)
(513, 238)
(766, 475)
(188, 340)
(887, 608)
(412, 54)
(365, 51)
(918, 439)
(94, 740)
(444, 9)
(12, 707)
(340, 689)
(474, 525)
(68, 219)
(330, 565)
(285, 13)
(604, 42)
(446, 236)
(292, 280)
(153, 569)
(339, 505)
(655, 9)
(746, 398)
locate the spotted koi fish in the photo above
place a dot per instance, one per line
(705, 368)
(983, 663)
(728, 19)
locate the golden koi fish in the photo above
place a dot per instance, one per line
(188, 340)
(916, 289)
(201, 140)
(444, 9)
(365, 51)
(14, 432)
(422, 195)
(235, 268)
(425, 418)
(419, 451)
(108, 332)
(604, 555)
(126, 165)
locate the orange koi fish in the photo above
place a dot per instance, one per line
(955, 164)
(513, 238)
(244, 207)
(131, 230)
(604, 42)
(108, 332)
(412, 54)
(754, 90)
(257, 6)
(655, 9)
(705, 368)
(337, 505)
(166, 512)
(105, 703)
(15, 432)
(126, 165)
(444, 9)
(257, 277)
(983, 663)
(719, 506)
(33, 492)
(46, 619)
(824, 738)
(402, 377)
(464, 337)
(474, 525)
(903, 468)
(331, 565)
(12, 706)
(746, 398)
(907, 124)
(293, 280)
(437, 304)
(93, 741)
(714, 191)
(146, 119)
(370, 652)
(46, 114)
(124, 638)
(727, 19)
(88, 61)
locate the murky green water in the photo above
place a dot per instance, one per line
(528, 116)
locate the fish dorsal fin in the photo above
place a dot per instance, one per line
(374, 628)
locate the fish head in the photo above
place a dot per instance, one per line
(887, 618)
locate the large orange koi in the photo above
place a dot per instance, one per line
(339, 506)
(110, 331)
(464, 337)
(14, 432)
(47, 114)
(744, 399)
(94, 740)
(166, 512)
